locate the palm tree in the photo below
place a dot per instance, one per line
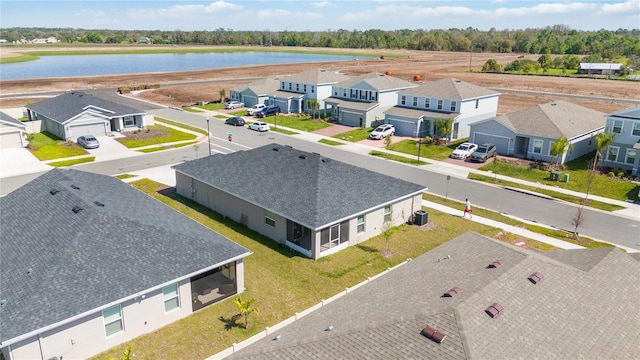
(223, 94)
(245, 308)
(603, 140)
(559, 147)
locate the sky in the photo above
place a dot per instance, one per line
(303, 15)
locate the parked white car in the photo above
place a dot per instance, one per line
(259, 126)
(382, 132)
(464, 150)
(255, 108)
(233, 105)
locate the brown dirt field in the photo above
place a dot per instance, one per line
(428, 65)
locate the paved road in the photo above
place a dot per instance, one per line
(597, 224)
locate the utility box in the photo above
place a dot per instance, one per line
(565, 178)
(421, 217)
(554, 176)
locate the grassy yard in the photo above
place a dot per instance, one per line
(283, 281)
(168, 135)
(435, 152)
(49, 147)
(183, 126)
(73, 162)
(402, 159)
(330, 142)
(304, 123)
(355, 135)
(602, 185)
(190, 109)
(212, 107)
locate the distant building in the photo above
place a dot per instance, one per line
(145, 40)
(600, 68)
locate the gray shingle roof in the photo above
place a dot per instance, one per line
(417, 113)
(305, 187)
(376, 81)
(85, 260)
(450, 88)
(64, 107)
(556, 118)
(630, 113)
(570, 314)
(349, 104)
(317, 77)
(261, 87)
(9, 120)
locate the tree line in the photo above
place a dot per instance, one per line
(557, 39)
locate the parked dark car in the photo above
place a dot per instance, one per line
(235, 121)
(483, 152)
(268, 111)
(88, 142)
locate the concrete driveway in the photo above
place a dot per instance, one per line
(111, 149)
(19, 161)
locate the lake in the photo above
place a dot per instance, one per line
(89, 65)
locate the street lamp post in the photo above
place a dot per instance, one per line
(208, 137)
(275, 116)
(418, 143)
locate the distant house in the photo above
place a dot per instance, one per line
(11, 132)
(89, 262)
(295, 90)
(77, 113)
(49, 40)
(363, 100)
(623, 152)
(474, 298)
(307, 202)
(600, 68)
(531, 132)
(144, 40)
(419, 107)
(257, 92)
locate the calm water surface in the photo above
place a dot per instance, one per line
(87, 65)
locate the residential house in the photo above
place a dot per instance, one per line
(362, 101)
(310, 203)
(295, 90)
(419, 108)
(89, 262)
(600, 68)
(145, 40)
(474, 298)
(531, 132)
(622, 153)
(257, 92)
(77, 113)
(11, 132)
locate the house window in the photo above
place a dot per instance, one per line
(477, 103)
(415, 101)
(304, 88)
(387, 213)
(360, 223)
(427, 103)
(269, 218)
(636, 128)
(454, 104)
(617, 127)
(334, 234)
(297, 87)
(403, 100)
(171, 297)
(282, 86)
(289, 86)
(439, 104)
(612, 153)
(312, 89)
(344, 93)
(537, 146)
(129, 121)
(113, 320)
(631, 156)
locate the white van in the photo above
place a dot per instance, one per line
(255, 108)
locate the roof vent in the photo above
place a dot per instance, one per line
(536, 277)
(494, 310)
(553, 104)
(453, 292)
(76, 209)
(433, 334)
(29, 271)
(325, 160)
(495, 264)
(329, 328)
(98, 203)
(75, 187)
(302, 157)
(289, 146)
(276, 149)
(3, 302)
(54, 191)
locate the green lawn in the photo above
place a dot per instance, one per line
(602, 185)
(355, 135)
(398, 158)
(190, 109)
(330, 142)
(283, 281)
(302, 123)
(212, 107)
(72, 162)
(169, 135)
(435, 152)
(183, 126)
(49, 147)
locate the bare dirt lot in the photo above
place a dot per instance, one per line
(428, 65)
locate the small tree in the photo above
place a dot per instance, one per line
(126, 355)
(246, 308)
(387, 142)
(577, 220)
(491, 65)
(312, 106)
(387, 231)
(560, 147)
(603, 140)
(223, 95)
(29, 137)
(444, 128)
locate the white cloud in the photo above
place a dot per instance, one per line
(277, 14)
(322, 4)
(188, 10)
(625, 7)
(89, 13)
(541, 9)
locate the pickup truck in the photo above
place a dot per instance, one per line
(255, 108)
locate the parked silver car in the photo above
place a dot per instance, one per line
(484, 152)
(88, 142)
(233, 105)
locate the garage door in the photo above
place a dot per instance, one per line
(249, 101)
(10, 140)
(403, 127)
(501, 143)
(351, 119)
(87, 129)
